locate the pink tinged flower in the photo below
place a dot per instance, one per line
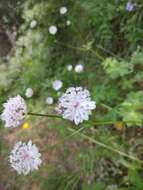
(57, 85)
(15, 111)
(79, 68)
(76, 105)
(130, 6)
(25, 158)
(49, 100)
(29, 92)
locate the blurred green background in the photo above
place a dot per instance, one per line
(107, 40)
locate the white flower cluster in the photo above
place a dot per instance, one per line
(76, 105)
(49, 100)
(57, 84)
(15, 111)
(53, 30)
(29, 92)
(25, 157)
(63, 10)
(79, 68)
(33, 24)
(69, 67)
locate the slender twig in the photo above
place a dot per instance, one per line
(45, 115)
(107, 146)
(101, 144)
(82, 49)
(88, 122)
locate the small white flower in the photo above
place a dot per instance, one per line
(130, 6)
(15, 111)
(57, 84)
(79, 68)
(53, 30)
(33, 24)
(49, 100)
(29, 92)
(68, 22)
(76, 105)
(63, 10)
(69, 67)
(25, 157)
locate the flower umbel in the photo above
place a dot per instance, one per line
(25, 157)
(63, 10)
(29, 92)
(33, 24)
(130, 6)
(53, 30)
(79, 68)
(15, 111)
(57, 85)
(76, 105)
(49, 100)
(69, 67)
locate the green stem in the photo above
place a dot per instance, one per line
(74, 132)
(107, 147)
(92, 123)
(45, 115)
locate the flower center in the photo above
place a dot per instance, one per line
(76, 105)
(25, 156)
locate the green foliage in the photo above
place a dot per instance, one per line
(107, 40)
(131, 108)
(115, 68)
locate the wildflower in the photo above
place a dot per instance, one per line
(79, 68)
(119, 125)
(29, 92)
(57, 84)
(53, 30)
(63, 10)
(68, 22)
(25, 157)
(25, 125)
(49, 100)
(69, 67)
(15, 111)
(130, 6)
(33, 24)
(76, 105)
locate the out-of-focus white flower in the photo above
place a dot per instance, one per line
(15, 111)
(76, 105)
(57, 84)
(79, 68)
(69, 67)
(130, 6)
(33, 24)
(68, 22)
(29, 92)
(49, 100)
(25, 157)
(63, 10)
(53, 30)
(59, 93)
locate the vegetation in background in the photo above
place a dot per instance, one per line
(107, 40)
